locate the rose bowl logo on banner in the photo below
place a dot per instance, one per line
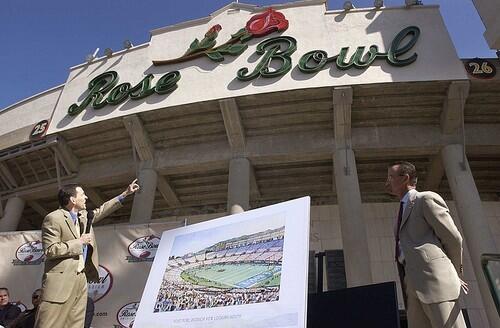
(143, 249)
(30, 253)
(97, 290)
(126, 315)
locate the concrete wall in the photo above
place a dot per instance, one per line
(379, 218)
(19, 119)
(311, 25)
(488, 10)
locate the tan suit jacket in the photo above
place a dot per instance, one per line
(62, 249)
(432, 248)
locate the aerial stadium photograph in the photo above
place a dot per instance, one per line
(244, 269)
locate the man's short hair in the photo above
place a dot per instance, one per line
(6, 290)
(407, 168)
(66, 192)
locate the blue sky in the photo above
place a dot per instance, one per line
(41, 40)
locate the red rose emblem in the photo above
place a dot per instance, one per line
(144, 254)
(266, 23)
(28, 258)
(215, 28)
(213, 31)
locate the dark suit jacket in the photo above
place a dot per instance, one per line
(8, 314)
(24, 320)
(62, 249)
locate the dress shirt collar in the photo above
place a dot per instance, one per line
(406, 198)
(74, 216)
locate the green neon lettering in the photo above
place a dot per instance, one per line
(98, 87)
(271, 49)
(363, 61)
(143, 88)
(313, 61)
(316, 60)
(167, 83)
(105, 82)
(118, 94)
(396, 50)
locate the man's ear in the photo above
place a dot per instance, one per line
(72, 200)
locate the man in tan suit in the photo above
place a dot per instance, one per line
(428, 253)
(71, 257)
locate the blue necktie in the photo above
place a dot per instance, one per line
(74, 217)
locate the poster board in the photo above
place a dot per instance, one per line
(246, 270)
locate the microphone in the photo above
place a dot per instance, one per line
(90, 218)
(86, 248)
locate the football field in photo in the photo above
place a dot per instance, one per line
(234, 275)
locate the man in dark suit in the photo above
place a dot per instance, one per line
(27, 318)
(428, 253)
(8, 311)
(71, 257)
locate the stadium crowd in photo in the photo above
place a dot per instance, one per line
(238, 271)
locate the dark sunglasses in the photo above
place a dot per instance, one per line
(35, 296)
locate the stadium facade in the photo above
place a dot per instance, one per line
(269, 105)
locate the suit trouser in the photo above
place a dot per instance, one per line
(435, 315)
(70, 314)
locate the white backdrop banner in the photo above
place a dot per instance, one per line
(247, 270)
(125, 257)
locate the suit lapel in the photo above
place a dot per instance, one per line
(408, 209)
(69, 222)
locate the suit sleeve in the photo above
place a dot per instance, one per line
(438, 216)
(106, 209)
(53, 244)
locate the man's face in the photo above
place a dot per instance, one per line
(80, 199)
(36, 297)
(4, 297)
(396, 183)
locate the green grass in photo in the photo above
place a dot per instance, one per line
(232, 275)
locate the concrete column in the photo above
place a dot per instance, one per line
(474, 225)
(488, 11)
(12, 214)
(238, 192)
(354, 239)
(142, 208)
